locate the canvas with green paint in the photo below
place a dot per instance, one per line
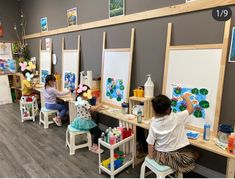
(116, 8)
(198, 97)
(115, 89)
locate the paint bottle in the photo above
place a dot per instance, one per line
(139, 116)
(231, 142)
(102, 136)
(206, 133)
(112, 139)
(107, 136)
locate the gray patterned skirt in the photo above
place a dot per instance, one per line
(182, 160)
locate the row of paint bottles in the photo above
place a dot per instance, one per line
(111, 136)
(115, 135)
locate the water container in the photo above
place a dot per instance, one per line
(149, 88)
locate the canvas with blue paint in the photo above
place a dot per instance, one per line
(44, 26)
(69, 80)
(198, 96)
(44, 74)
(115, 89)
(7, 66)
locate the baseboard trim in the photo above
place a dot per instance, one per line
(204, 171)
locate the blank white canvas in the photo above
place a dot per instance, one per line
(45, 62)
(196, 68)
(70, 64)
(5, 92)
(116, 65)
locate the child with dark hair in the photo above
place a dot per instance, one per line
(50, 94)
(167, 138)
(84, 121)
(27, 85)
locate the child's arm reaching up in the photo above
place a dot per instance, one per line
(189, 103)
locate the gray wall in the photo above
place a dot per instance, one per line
(9, 11)
(149, 54)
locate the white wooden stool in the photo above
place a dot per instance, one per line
(161, 171)
(45, 120)
(71, 134)
(28, 108)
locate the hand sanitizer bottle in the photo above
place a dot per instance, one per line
(149, 88)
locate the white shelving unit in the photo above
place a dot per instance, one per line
(28, 110)
(111, 171)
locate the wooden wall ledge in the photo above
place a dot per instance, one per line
(151, 14)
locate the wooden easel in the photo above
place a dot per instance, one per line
(223, 46)
(130, 50)
(74, 62)
(49, 52)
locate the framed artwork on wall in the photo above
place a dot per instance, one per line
(116, 8)
(72, 16)
(232, 47)
(44, 24)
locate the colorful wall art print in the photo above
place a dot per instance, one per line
(7, 66)
(72, 16)
(116, 8)
(115, 89)
(69, 80)
(44, 74)
(198, 97)
(44, 24)
(232, 47)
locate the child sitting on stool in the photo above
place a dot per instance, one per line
(167, 138)
(27, 85)
(83, 121)
(50, 94)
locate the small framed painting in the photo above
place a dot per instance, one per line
(232, 47)
(72, 16)
(44, 24)
(116, 8)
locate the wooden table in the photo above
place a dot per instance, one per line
(65, 98)
(200, 143)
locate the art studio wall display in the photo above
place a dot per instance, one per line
(116, 8)
(44, 24)
(232, 47)
(72, 16)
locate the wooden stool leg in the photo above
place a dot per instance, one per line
(89, 140)
(72, 143)
(142, 171)
(46, 120)
(67, 135)
(40, 117)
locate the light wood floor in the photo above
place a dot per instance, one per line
(28, 150)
